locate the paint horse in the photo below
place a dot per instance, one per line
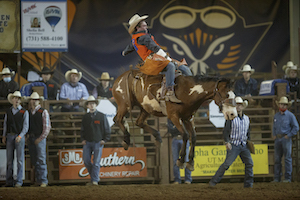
(134, 88)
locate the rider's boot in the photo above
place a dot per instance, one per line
(170, 95)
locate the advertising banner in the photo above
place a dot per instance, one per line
(208, 159)
(115, 163)
(10, 26)
(44, 25)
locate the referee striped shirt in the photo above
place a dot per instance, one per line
(238, 129)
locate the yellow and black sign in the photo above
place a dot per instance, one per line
(208, 159)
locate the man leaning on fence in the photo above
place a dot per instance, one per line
(95, 132)
(285, 126)
(39, 128)
(15, 127)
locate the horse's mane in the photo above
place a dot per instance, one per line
(209, 78)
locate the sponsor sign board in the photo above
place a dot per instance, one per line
(115, 163)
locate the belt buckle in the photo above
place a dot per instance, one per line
(178, 137)
(279, 135)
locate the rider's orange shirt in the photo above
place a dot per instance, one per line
(142, 50)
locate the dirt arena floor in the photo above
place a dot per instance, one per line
(230, 191)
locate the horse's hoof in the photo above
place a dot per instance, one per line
(125, 145)
(180, 164)
(190, 167)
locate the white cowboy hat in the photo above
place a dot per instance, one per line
(6, 71)
(91, 98)
(239, 100)
(284, 100)
(105, 77)
(134, 20)
(72, 71)
(12, 95)
(247, 68)
(288, 64)
(35, 95)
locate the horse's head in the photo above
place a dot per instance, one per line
(224, 98)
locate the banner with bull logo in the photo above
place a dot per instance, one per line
(214, 36)
(115, 163)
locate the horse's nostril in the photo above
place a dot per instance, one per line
(232, 114)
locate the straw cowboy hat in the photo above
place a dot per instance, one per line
(240, 101)
(284, 100)
(12, 95)
(105, 77)
(134, 21)
(6, 71)
(91, 98)
(46, 70)
(289, 66)
(247, 68)
(35, 95)
(72, 71)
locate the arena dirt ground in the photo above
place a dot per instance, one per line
(230, 191)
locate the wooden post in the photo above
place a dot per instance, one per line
(281, 89)
(274, 69)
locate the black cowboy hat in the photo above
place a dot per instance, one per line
(46, 70)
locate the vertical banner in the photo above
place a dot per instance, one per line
(115, 163)
(10, 26)
(44, 25)
(208, 159)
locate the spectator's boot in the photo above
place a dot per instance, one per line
(170, 95)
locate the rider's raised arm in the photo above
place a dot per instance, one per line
(128, 49)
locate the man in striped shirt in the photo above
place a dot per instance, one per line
(39, 128)
(236, 133)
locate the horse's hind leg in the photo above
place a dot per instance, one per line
(181, 162)
(140, 123)
(192, 133)
(118, 119)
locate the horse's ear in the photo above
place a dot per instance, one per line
(231, 83)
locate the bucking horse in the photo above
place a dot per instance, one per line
(134, 88)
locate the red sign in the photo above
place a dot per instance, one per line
(115, 163)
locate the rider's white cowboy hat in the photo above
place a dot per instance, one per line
(6, 71)
(91, 98)
(134, 20)
(72, 71)
(35, 95)
(239, 100)
(284, 100)
(247, 68)
(105, 77)
(12, 95)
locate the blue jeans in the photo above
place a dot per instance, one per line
(245, 155)
(93, 168)
(169, 72)
(176, 147)
(38, 159)
(283, 147)
(185, 70)
(11, 145)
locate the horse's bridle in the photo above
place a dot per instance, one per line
(223, 100)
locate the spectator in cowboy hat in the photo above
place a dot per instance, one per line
(95, 132)
(285, 126)
(39, 128)
(246, 86)
(15, 127)
(73, 90)
(52, 87)
(236, 132)
(7, 84)
(291, 71)
(103, 90)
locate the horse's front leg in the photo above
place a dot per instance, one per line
(190, 128)
(118, 119)
(140, 123)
